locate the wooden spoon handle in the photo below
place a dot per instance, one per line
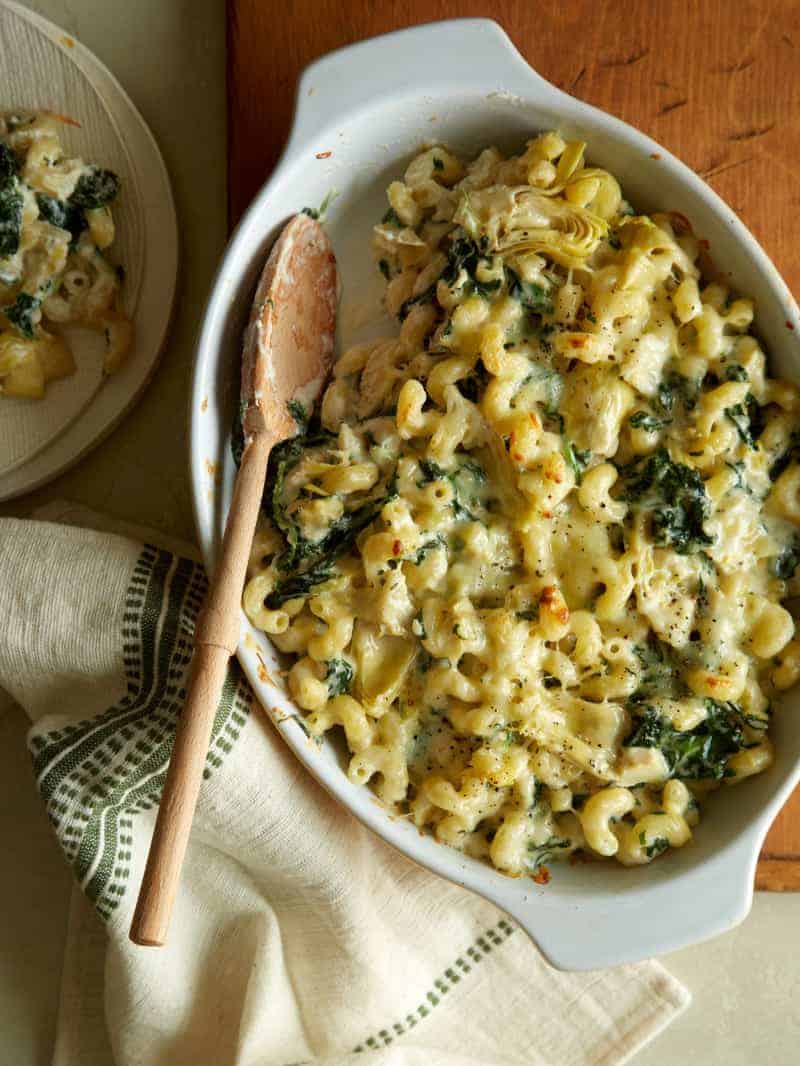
(216, 638)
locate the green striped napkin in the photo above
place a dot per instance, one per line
(297, 935)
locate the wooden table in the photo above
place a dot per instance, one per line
(715, 81)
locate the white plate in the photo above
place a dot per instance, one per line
(45, 68)
(362, 113)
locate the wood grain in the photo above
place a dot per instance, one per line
(715, 82)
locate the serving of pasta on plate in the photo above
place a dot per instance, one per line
(531, 552)
(55, 228)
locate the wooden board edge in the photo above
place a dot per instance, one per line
(778, 875)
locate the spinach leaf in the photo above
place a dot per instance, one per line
(299, 414)
(649, 423)
(10, 217)
(319, 213)
(661, 672)
(533, 297)
(785, 564)
(544, 853)
(391, 218)
(462, 254)
(676, 389)
(485, 289)
(61, 213)
(20, 313)
(736, 372)
(702, 752)
(437, 542)
(283, 458)
(659, 845)
(95, 188)
(749, 420)
(576, 458)
(675, 494)
(791, 455)
(473, 386)
(425, 297)
(8, 164)
(300, 584)
(339, 677)
(463, 494)
(323, 554)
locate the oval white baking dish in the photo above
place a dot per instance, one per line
(361, 114)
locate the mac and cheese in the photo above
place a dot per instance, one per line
(530, 554)
(55, 225)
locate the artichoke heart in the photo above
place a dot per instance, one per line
(522, 219)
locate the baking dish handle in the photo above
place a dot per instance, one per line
(475, 53)
(707, 900)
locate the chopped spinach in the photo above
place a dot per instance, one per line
(785, 564)
(463, 494)
(432, 471)
(20, 313)
(675, 494)
(791, 455)
(534, 298)
(95, 188)
(475, 470)
(576, 458)
(736, 372)
(738, 471)
(649, 423)
(61, 213)
(473, 386)
(10, 217)
(299, 414)
(485, 289)
(300, 584)
(659, 845)
(391, 218)
(318, 213)
(749, 420)
(424, 297)
(702, 752)
(283, 458)
(661, 671)
(422, 551)
(339, 677)
(544, 853)
(675, 388)
(438, 164)
(508, 735)
(8, 164)
(316, 557)
(462, 254)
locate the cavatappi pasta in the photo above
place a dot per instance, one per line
(55, 225)
(530, 553)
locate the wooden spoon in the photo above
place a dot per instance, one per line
(288, 351)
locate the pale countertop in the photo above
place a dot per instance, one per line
(169, 56)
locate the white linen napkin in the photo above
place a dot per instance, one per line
(297, 935)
